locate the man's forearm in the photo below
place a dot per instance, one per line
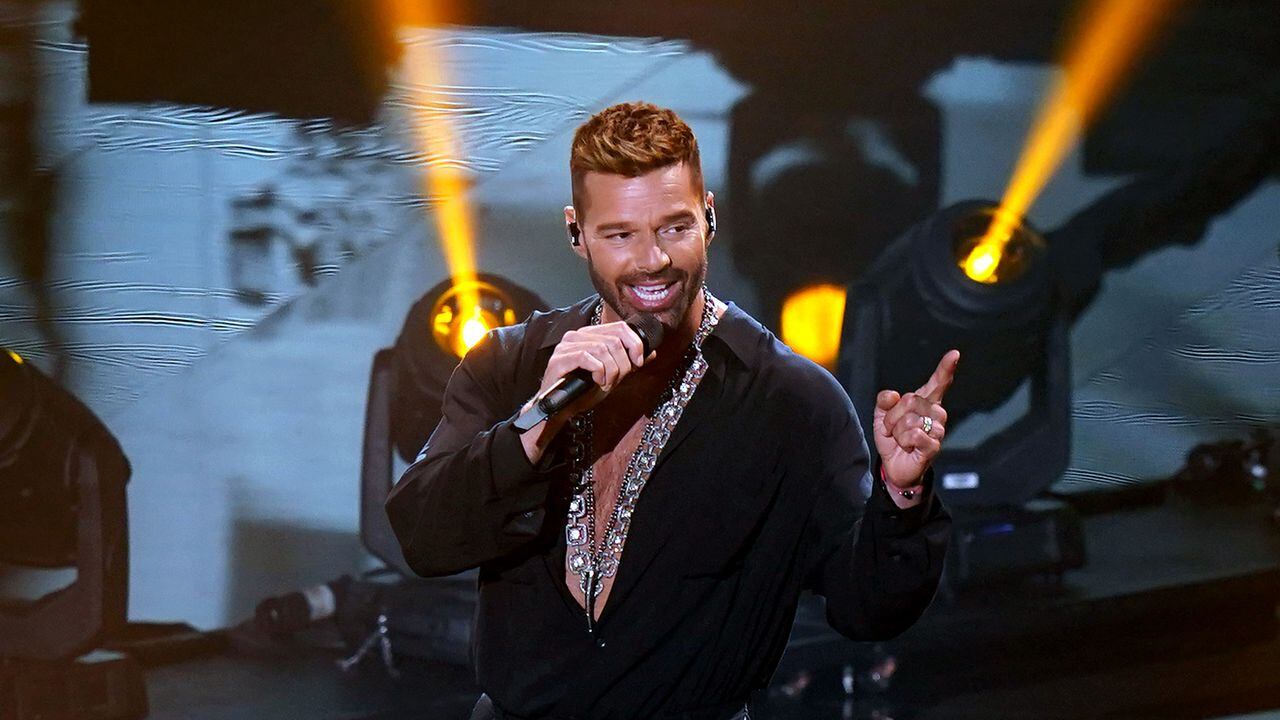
(888, 571)
(456, 509)
(536, 440)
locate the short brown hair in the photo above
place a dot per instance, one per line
(630, 139)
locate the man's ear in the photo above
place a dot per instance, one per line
(711, 216)
(574, 231)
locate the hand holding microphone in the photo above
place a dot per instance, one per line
(587, 364)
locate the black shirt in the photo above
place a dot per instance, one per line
(762, 491)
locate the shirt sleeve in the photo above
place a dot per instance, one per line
(472, 495)
(877, 565)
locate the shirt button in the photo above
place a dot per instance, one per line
(600, 643)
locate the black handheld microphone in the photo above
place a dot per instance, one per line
(579, 382)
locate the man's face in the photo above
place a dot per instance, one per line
(644, 241)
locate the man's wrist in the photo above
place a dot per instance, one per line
(903, 497)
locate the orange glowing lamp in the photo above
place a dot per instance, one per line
(982, 262)
(466, 312)
(994, 246)
(812, 318)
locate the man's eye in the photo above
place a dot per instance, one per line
(618, 236)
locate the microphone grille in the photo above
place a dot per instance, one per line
(650, 330)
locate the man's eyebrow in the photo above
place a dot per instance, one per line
(678, 215)
(666, 219)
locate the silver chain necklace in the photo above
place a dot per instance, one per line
(593, 560)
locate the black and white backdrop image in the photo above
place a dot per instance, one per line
(213, 281)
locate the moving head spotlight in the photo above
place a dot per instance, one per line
(439, 329)
(62, 505)
(407, 381)
(920, 298)
(62, 515)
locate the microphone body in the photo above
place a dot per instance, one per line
(578, 382)
(570, 388)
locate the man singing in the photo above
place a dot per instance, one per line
(642, 552)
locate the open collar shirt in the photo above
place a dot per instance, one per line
(763, 490)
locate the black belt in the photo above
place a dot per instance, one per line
(486, 710)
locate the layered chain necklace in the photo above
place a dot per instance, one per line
(594, 557)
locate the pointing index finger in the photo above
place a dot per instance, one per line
(942, 377)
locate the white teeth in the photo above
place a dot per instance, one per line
(652, 293)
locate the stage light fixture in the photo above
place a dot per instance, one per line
(44, 434)
(940, 286)
(463, 313)
(62, 507)
(390, 612)
(407, 382)
(811, 318)
(937, 288)
(440, 328)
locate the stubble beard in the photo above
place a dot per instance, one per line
(671, 318)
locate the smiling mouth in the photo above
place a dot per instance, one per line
(651, 295)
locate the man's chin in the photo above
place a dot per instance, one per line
(670, 317)
(673, 318)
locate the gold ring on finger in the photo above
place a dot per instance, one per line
(928, 424)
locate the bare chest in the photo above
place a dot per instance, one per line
(609, 471)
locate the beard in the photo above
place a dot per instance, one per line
(673, 317)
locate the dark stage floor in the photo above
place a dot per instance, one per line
(1174, 616)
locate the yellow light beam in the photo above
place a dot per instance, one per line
(1106, 44)
(446, 183)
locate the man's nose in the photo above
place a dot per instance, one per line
(652, 257)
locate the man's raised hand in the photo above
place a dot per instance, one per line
(906, 440)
